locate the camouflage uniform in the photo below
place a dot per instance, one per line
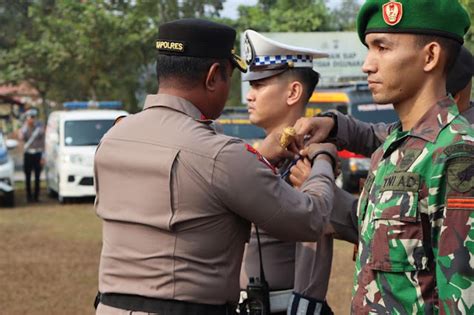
(416, 220)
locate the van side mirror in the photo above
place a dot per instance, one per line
(11, 144)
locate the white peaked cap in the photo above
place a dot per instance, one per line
(266, 57)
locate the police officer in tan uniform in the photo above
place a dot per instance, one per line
(282, 80)
(176, 198)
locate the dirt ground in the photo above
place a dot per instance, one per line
(49, 256)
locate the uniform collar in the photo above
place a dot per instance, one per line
(427, 128)
(435, 119)
(177, 103)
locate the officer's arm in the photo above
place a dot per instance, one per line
(358, 136)
(343, 218)
(249, 187)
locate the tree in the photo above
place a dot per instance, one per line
(343, 18)
(285, 16)
(469, 38)
(94, 49)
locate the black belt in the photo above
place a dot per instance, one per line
(162, 307)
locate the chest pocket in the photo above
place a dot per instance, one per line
(397, 244)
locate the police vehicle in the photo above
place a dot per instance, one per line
(7, 170)
(71, 139)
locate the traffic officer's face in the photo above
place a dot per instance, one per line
(394, 66)
(267, 101)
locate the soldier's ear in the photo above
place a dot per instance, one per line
(295, 92)
(211, 77)
(432, 56)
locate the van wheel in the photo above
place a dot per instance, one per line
(52, 193)
(64, 200)
(9, 199)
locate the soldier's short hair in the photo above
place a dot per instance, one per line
(450, 46)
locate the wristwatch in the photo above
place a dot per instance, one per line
(313, 157)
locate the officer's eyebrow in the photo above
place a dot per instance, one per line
(380, 40)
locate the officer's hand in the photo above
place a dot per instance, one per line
(311, 130)
(313, 152)
(270, 148)
(300, 172)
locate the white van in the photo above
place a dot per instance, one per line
(70, 142)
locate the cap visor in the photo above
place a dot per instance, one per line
(259, 75)
(239, 63)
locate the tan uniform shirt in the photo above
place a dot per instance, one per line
(176, 200)
(278, 261)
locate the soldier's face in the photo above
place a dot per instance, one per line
(394, 66)
(266, 102)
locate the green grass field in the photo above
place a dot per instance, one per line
(49, 256)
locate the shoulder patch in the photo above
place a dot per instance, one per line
(260, 157)
(459, 148)
(460, 174)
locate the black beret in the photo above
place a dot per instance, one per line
(461, 73)
(198, 38)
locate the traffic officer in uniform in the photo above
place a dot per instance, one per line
(416, 209)
(32, 133)
(176, 198)
(282, 80)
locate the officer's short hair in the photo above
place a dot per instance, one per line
(450, 46)
(188, 70)
(307, 76)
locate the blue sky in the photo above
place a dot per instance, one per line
(230, 6)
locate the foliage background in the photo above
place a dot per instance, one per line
(104, 49)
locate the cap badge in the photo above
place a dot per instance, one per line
(392, 12)
(170, 45)
(248, 50)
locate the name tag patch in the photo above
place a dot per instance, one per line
(170, 45)
(403, 181)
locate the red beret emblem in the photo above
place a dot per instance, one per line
(392, 12)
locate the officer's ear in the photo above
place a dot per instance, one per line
(432, 56)
(295, 92)
(212, 78)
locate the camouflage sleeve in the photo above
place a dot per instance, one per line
(454, 232)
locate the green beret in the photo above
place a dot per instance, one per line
(445, 18)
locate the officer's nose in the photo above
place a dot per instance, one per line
(369, 65)
(250, 97)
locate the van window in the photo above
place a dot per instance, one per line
(85, 132)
